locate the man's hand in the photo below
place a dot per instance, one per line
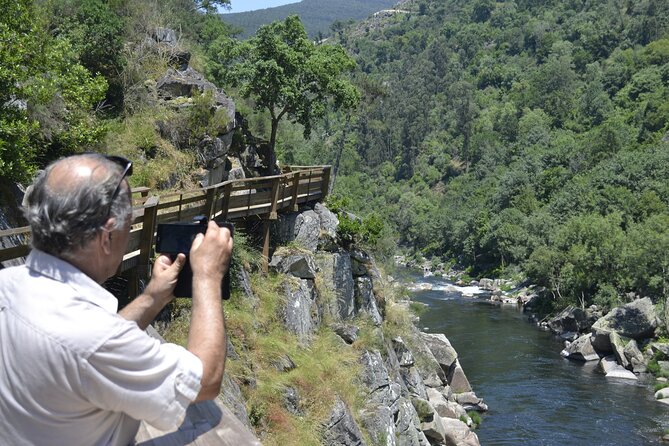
(158, 293)
(164, 277)
(210, 254)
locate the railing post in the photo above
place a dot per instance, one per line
(275, 198)
(145, 245)
(225, 201)
(210, 201)
(325, 186)
(296, 186)
(265, 246)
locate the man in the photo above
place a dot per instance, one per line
(72, 370)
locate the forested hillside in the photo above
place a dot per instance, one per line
(317, 15)
(516, 137)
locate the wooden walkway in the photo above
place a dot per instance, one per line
(207, 423)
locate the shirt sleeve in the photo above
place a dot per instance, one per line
(137, 375)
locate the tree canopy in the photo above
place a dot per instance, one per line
(285, 74)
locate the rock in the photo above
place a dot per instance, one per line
(637, 320)
(435, 429)
(301, 314)
(428, 367)
(662, 394)
(379, 423)
(243, 281)
(283, 363)
(458, 433)
(338, 284)
(487, 285)
(406, 425)
(328, 228)
(469, 401)
(365, 301)
(291, 401)
(308, 229)
(423, 408)
(635, 357)
(413, 381)
(618, 346)
(298, 265)
(361, 261)
(611, 369)
(581, 349)
(442, 350)
(571, 319)
(377, 381)
(445, 408)
(404, 355)
(349, 333)
(340, 429)
(457, 379)
(232, 396)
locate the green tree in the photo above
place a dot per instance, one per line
(46, 96)
(285, 74)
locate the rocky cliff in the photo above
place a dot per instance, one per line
(329, 343)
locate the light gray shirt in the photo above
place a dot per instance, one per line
(72, 371)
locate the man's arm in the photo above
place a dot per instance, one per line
(158, 293)
(209, 259)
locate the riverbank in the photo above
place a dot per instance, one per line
(620, 345)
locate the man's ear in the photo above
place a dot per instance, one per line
(105, 239)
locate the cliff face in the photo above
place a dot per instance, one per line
(330, 354)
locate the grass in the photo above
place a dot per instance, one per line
(475, 417)
(325, 370)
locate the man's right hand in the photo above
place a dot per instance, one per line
(210, 253)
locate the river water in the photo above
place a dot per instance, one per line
(535, 396)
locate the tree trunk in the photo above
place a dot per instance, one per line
(271, 162)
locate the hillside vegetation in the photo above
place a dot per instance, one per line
(515, 137)
(317, 15)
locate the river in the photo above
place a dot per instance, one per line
(535, 396)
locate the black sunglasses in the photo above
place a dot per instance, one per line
(126, 165)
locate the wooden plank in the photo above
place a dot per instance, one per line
(15, 231)
(14, 252)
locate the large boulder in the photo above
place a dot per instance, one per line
(612, 369)
(458, 433)
(338, 286)
(571, 319)
(365, 301)
(312, 229)
(341, 429)
(300, 265)
(441, 348)
(380, 388)
(379, 421)
(457, 379)
(581, 349)
(406, 424)
(444, 407)
(301, 314)
(637, 320)
(635, 357)
(618, 345)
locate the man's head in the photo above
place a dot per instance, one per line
(76, 200)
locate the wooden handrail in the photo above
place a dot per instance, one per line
(230, 200)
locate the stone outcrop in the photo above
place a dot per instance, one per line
(341, 429)
(581, 349)
(301, 313)
(636, 320)
(571, 319)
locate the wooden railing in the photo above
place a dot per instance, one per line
(231, 200)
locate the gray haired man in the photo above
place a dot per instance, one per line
(73, 371)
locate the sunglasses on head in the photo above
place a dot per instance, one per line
(126, 165)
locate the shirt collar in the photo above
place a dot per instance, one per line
(62, 271)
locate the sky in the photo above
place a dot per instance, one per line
(252, 5)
